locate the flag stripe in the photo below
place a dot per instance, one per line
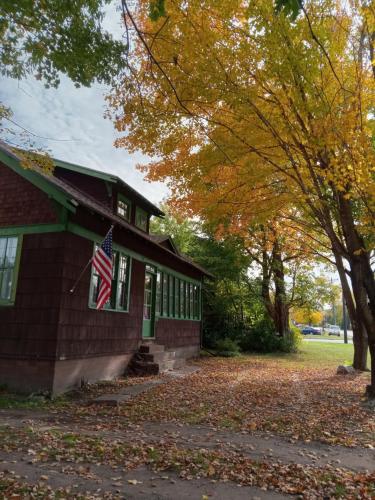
(102, 262)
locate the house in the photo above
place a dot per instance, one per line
(52, 339)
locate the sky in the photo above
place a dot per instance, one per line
(71, 125)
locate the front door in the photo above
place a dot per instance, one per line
(149, 306)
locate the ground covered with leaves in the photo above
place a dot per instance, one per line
(280, 425)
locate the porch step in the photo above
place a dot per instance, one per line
(144, 368)
(152, 359)
(151, 348)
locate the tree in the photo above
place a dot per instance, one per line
(46, 38)
(250, 114)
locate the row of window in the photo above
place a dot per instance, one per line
(174, 297)
(124, 207)
(177, 298)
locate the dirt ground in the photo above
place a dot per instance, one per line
(225, 432)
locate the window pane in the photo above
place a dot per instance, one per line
(191, 309)
(165, 294)
(123, 209)
(158, 294)
(177, 298)
(171, 296)
(187, 303)
(8, 252)
(141, 219)
(6, 283)
(123, 282)
(182, 299)
(3, 247)
(10, 256)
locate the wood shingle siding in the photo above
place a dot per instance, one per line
(21, 203)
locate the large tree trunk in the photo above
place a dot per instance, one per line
(362, 278)
(360, 342)
(281, 315)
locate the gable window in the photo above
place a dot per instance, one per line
(123, 207)
(119, 300)
(141, 219)
(9, 259)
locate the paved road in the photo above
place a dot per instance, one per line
(329, 341)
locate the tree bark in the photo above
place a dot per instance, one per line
(281, 316)
(360, 342)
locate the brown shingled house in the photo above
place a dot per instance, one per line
(51, 339)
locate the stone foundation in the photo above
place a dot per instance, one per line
(71, 373)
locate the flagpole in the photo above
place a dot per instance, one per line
(87, 265)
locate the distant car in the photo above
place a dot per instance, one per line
(310, 330)
(333, 330)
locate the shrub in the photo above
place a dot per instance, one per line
(292, 341)
(260, 337)
(227, 347)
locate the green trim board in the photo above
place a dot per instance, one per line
(84, 170)
(32, 229)
(36, 179)
(11, 300)
(90, 235)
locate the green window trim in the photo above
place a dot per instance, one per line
(11, 300)
(121, 277)
(120, 211)
(141, 219)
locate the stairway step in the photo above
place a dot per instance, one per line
(151, 348)
(145, 356)
(145, 368)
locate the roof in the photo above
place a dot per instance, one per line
(166, 238)
(70, 197)
(109, 178)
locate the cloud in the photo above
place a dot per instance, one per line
(72, 120)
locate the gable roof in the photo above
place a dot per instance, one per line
(113, 179)
(71, 197)
(163, 239)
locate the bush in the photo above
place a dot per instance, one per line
(292, 341)
(262, 338)
(227, 347)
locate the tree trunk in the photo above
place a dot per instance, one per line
(281, 316)
(360, 344)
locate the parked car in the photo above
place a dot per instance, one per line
(333, 330)
(310, 330)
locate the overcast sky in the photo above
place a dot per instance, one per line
(72, 120)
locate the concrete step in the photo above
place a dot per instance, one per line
(145, 368)
(151, 348)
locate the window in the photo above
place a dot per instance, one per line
(141, 219)
(119, 300)
(123, 207)
(9, 258)
(176, 298)
(182, 299)
(171, 296)
(165, 295)
(158, 293)
(196, 302)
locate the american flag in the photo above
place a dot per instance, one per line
(102, 262)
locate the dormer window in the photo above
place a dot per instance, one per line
(123, 207)
(141, 219)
